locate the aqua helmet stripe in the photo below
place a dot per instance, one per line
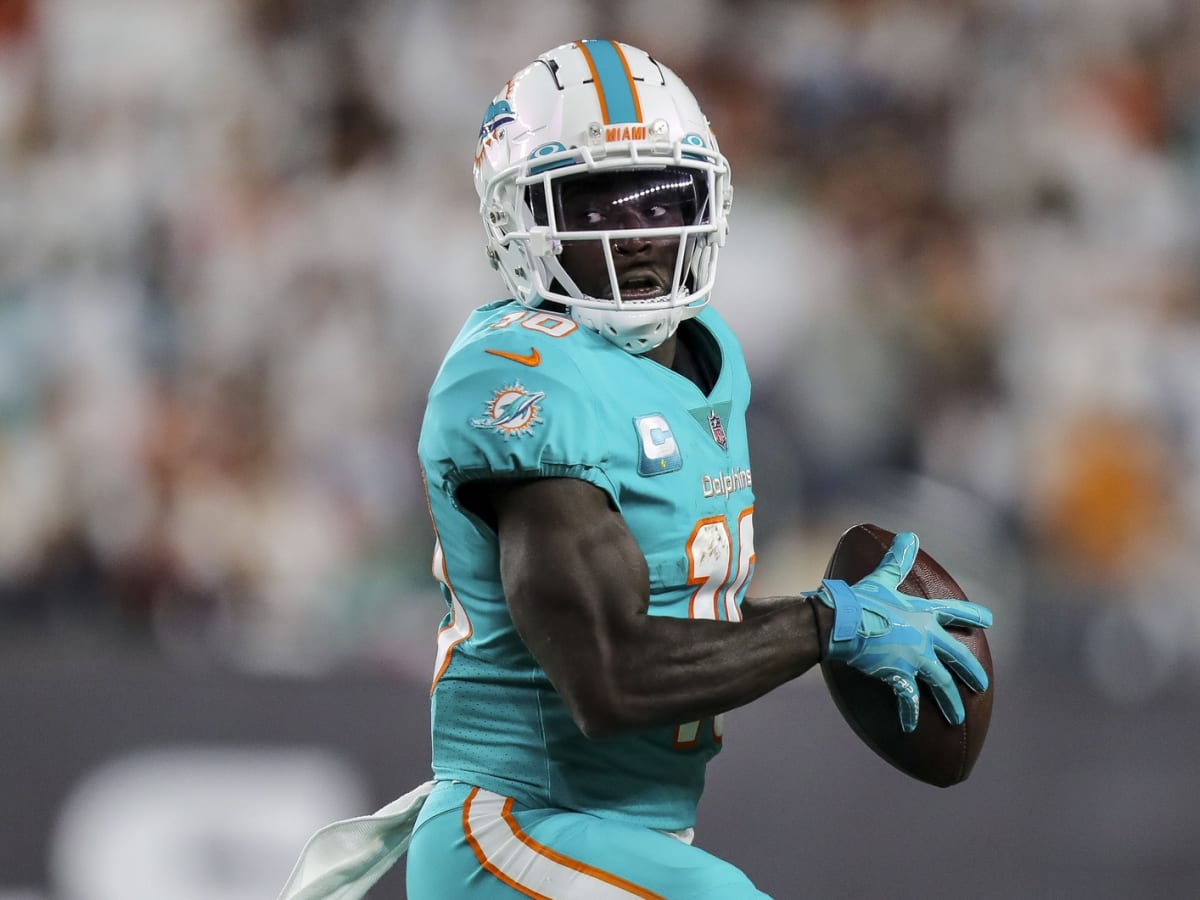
(614, 82)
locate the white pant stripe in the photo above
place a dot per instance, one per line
(536, 871)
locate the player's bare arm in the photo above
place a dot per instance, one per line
(753, 607)
(578, 592)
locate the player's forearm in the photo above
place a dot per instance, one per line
(679, 670)
(753, 607)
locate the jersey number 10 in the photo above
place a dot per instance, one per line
(718, 586)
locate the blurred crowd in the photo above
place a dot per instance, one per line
(236, 237)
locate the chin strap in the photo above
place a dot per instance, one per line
(632, 331)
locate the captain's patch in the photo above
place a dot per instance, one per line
(658, 449)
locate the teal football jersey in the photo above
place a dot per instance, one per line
(527, 393)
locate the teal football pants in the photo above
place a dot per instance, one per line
(476, 845)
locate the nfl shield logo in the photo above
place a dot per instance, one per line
(718, 430)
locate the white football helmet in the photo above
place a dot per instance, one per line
(600, 107)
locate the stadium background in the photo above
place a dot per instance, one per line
(236, 237)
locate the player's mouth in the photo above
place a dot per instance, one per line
(641, 284)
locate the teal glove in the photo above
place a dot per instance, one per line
(899, 638)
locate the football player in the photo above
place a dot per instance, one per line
(585, 454)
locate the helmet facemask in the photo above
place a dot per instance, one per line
(595, 236)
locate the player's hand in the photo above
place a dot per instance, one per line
(899, 638)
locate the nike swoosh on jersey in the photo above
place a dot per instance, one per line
(531, 359)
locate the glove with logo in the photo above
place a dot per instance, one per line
(899, 638)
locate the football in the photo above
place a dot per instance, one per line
(937, 752)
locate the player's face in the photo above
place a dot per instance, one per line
(645, 266)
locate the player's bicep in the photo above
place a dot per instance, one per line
(574, 579)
